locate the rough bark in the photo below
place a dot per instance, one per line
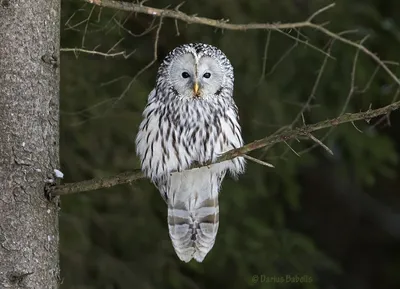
(29, 140)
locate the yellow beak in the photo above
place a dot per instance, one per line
(196, 88)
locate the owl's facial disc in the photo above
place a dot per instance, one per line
(194, 78)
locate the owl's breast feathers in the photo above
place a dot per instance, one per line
(174, 135)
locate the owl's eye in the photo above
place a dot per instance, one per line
(185, 74)
(207, 75)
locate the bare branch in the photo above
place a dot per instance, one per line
(223, 24)
(284, 55)
(264, 67)
(368, 85)
(146, 31)
(76, 51)
(292, 149)
(305, 42)
(357, 129)
(359, 46)
(283, 136)
(320, 143)
(155, 57)
(323, 9)
(387, 116)
(352, 89)
(193, 19)
(314, 89)
(82, 111)
(127, 88)
(260, 162)
(86, 27)
(307, 105)
(95, 184)
(352, 80)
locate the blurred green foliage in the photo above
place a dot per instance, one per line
(118, 237)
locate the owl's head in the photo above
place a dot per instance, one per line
(196, 71)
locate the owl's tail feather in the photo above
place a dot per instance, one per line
(193, 229)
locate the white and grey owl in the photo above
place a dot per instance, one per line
(191, 118)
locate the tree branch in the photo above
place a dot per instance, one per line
(223, 24)
(192, 19)
(283, 136)
(77, 51)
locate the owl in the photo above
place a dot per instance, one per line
(190, 119)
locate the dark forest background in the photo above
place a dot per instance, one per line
(332, 219)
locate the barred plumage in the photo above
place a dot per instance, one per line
(191, 117)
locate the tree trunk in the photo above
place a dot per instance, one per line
(29, 140)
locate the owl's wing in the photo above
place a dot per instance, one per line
(231, 138)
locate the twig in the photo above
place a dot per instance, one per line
(314, 89)
(320, 143)
(387, 116)
(82, 111)
(292, 149)
(115, 45)
(260, 162)
(284, 55)
(146, 31)
(359, 130)
(368, 85)
(305, 42)
(352, 80)
(283, 136)
(155, 57)
(86, 27)
(264, 66)
(323, 9)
